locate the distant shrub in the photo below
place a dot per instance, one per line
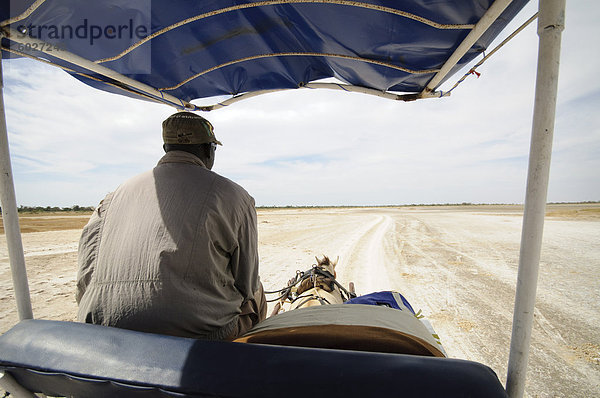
(54, 209)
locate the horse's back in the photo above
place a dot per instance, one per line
(316, 297)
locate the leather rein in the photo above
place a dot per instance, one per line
(316, 277)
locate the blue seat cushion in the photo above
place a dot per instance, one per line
(82, 360)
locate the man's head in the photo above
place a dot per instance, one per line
(186, 131)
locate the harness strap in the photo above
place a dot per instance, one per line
(312, 278)
(322, 300)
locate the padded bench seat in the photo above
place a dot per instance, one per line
(82, 360)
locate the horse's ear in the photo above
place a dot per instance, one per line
(333, 264)
(327, 261)
(324, 261)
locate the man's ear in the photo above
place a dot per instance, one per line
(209, 156)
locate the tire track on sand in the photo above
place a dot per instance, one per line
(366, 260)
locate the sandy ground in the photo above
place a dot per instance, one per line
(457, 264)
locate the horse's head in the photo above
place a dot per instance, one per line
(327, 264)
(316, 286)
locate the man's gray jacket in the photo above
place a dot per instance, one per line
(171, 251)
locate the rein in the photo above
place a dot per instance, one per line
(310, 297)
(317, 276)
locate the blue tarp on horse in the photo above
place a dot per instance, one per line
(386, 299)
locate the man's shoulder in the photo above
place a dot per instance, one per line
(227, 186)
(141, 178)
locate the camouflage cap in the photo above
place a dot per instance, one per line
(188, 128)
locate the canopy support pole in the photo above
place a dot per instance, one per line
(550, 26)
(10, 218)
(330, 86)
(74, 59)
(482, 26)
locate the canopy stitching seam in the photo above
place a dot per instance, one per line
(282, 2)
(24, 15)
(299, 54)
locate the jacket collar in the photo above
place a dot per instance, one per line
(180, 157)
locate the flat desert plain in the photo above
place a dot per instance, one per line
(458, 264)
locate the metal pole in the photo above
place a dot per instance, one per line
(550, 26)
(64, 55)
(330, 86)
(482, 26)
(10, 218)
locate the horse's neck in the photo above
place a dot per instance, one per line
(322, 282)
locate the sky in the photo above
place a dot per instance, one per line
(71, 144)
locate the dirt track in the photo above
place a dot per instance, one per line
(457, 264)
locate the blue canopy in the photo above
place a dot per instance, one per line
(197, 49)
